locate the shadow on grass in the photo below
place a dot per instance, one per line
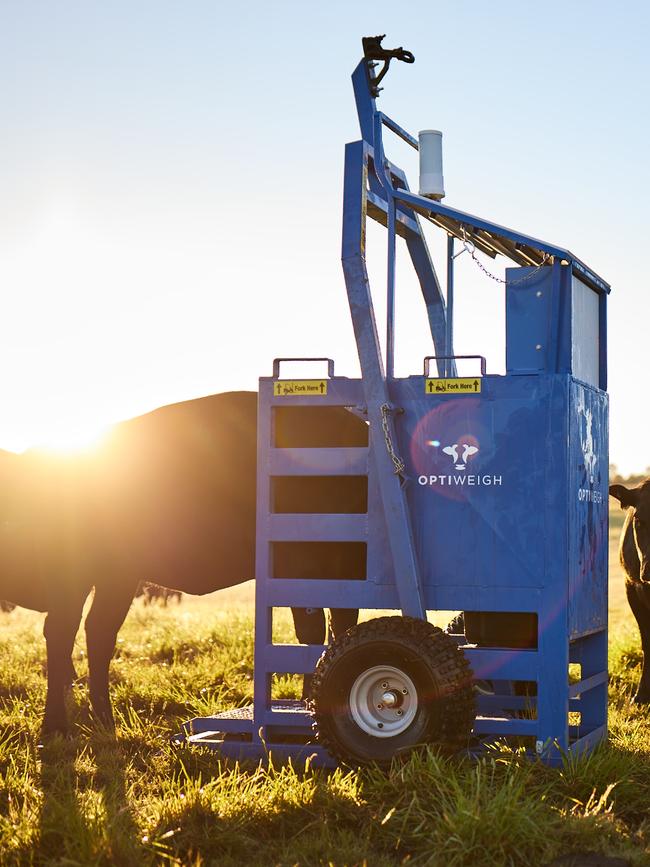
(61, 819)
(86, 817)
(122, 839)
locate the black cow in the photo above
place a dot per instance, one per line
(169, 497)
(634, 552)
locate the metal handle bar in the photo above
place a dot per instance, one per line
(278, 361)
(429, 358)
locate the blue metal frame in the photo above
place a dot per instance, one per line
(526, 532)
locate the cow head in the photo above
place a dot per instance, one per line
(637, 500)
(460, 462)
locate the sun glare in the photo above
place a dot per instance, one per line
(76, 438)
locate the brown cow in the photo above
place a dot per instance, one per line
(169, 497)
(634, 552)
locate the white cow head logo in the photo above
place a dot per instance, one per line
(587, 443)
(460, 463)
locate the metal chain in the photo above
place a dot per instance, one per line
(471, 249)
(398, 463)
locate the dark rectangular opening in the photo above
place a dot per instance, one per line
(501, 629)
(317, 427)
(304, 560)
(347, 495)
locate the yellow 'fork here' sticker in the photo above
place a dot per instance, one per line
(453, 386)
(300, 387)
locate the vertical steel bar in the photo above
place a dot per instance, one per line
(263, 565)
(449, 324)
(390, 292)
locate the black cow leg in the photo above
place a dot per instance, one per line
(309, 624)
(310, 627)
(110, 607)
(60, 629)
(342, 619)
(636, 595)
(70, 676)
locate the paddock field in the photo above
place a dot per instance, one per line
(91, 800)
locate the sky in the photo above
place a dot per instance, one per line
(171, 189)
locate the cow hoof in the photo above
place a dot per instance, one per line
(103, 721)
(53, 728)
(641, 698)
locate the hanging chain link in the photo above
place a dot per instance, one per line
(398, 463)
(471, 249)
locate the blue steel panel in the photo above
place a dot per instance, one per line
(294, 658)
(504, 727)
(490, 664)
(318, 528)
(587, 743)
(317, 462)
(340, 392)
(331, 594)
(470, 460)
(583, 686)
(457, 597)
(588, 480)
(528, 309)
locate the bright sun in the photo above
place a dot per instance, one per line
(54, 398)
(75, 437)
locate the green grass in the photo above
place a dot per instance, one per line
(134, 800)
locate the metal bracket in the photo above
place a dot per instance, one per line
(372, 51)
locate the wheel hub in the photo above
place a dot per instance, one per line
(383, 701)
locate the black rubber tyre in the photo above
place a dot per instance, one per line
(389, 685)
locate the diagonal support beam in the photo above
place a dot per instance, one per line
(391, 482)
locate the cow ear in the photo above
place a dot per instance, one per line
(625, 496)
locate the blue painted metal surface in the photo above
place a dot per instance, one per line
(491, 501)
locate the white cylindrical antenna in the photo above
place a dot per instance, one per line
(432, 184)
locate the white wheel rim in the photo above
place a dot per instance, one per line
(383, 701)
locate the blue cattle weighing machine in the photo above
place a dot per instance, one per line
(485, 494)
